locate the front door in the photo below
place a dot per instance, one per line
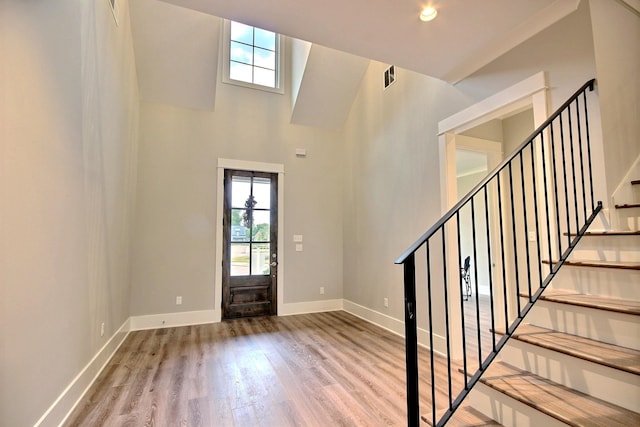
(250, 244)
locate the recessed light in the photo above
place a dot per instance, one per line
(428, 14)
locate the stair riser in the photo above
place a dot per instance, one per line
(602, 325)
(608, 248)
(627, 219)
(615, 283)
(507, 411)
(611, 385)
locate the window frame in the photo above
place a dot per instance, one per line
(226, 59)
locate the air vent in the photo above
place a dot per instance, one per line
(389, 76)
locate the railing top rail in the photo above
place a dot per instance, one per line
(447, 216)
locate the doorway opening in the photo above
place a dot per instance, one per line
(249, 277)
(250, 244)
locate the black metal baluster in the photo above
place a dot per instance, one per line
(564, 177)
(430, 315)
(586, 121)
(526, 225)
(515, 239)
(504, 274)
(584, 194)
(464, 335)
(411, 339)
(546, 199)
(475, 278)
(446, 313)
(573, 172)
(555, 188)
(490, 269)
(535, 209)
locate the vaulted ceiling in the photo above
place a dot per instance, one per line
(176, 47)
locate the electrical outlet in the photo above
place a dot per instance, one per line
(386, 302)
(178, 300)
(321, 290)
(102, 329)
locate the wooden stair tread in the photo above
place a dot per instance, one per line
(621, 265)
(560, 402)
(635, 182)
(592, 301)
(628, 205)
(613, 356)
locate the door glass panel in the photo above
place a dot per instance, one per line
(260, 255)
(240, 259)
(260, 229)
(262, 192)
(239, 233)
(240, 191)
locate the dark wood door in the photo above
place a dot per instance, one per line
(249, 279)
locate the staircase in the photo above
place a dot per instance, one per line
(558, 340)
(576, 358)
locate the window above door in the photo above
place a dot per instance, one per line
(252, 57)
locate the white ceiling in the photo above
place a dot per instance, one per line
(176, 43)
(466, 35)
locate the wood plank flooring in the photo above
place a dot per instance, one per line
(323, 369)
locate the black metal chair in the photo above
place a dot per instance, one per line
(466, 279)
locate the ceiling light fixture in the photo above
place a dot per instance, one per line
(428, 14)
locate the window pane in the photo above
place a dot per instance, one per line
(265, 58)
(240, 259)
(241, 72)
(264, 77)
(260, 254)
(261, 222)
(239, 232)
(242, 33)
(265, 39)
(241, 53)
(240, 191)
(262, 193)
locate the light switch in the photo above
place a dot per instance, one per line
(299, 247)
(297, 237)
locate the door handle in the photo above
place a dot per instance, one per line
(273, 264)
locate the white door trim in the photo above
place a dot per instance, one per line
(250, 166)
(529, 93)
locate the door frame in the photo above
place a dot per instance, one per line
(257, 167)
(529, 93)
(493, 151)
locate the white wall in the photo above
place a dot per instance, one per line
(564, 51)
(392, 171)
(392, 180)
(175, 232)
(616, 38)
(68, 156)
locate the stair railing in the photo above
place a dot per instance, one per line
(518, 225)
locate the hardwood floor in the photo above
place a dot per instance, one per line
(321, 369)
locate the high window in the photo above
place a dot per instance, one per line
(253, 56)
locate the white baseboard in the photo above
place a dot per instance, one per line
(60, 410)
(379, 319)
(394, 325)
(170, 320)
(309, 307)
